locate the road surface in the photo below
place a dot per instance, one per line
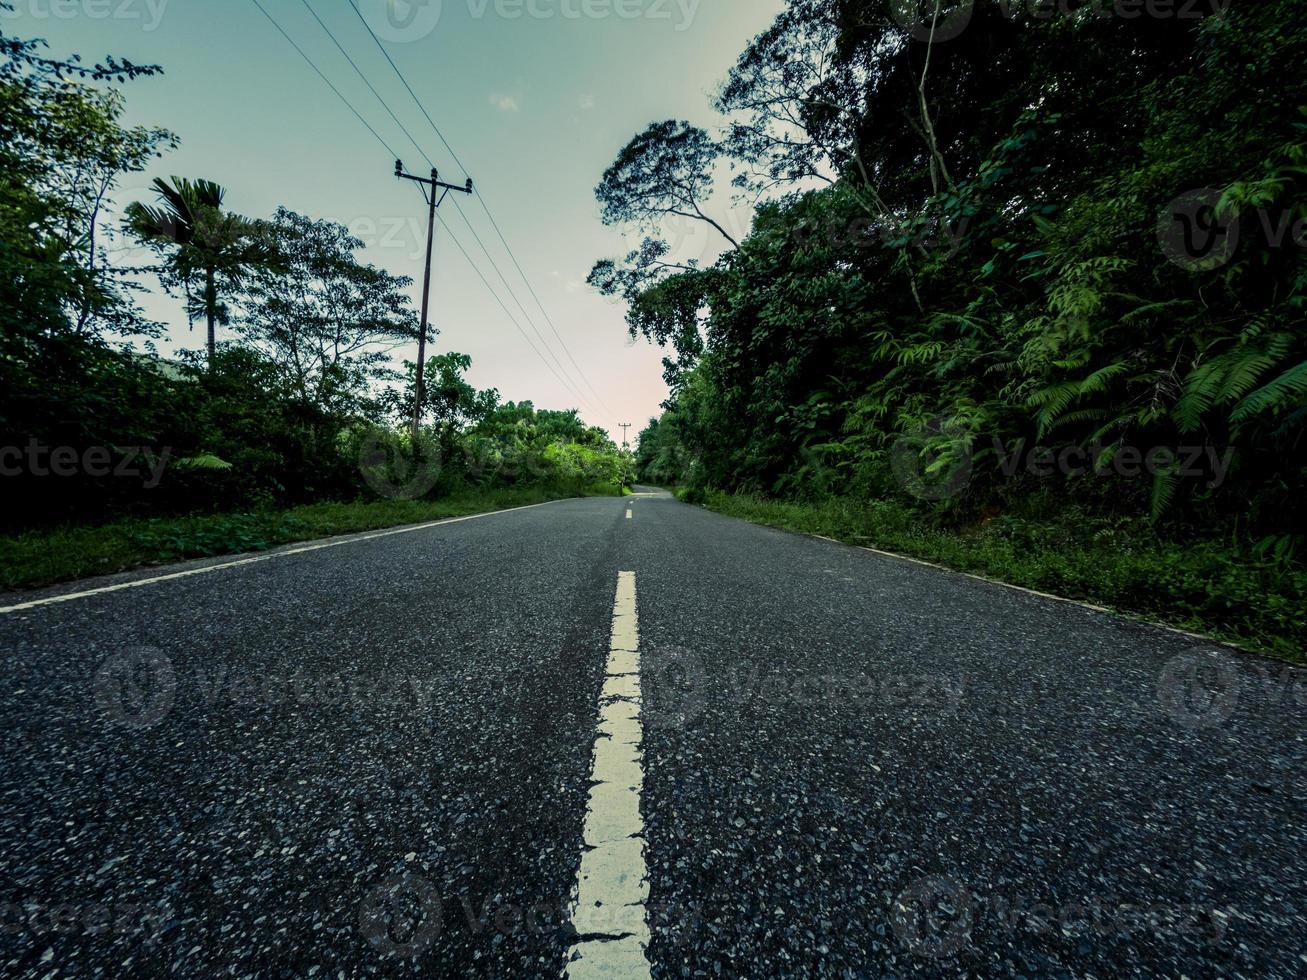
(670, 744)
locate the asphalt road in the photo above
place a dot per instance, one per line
(375, 758)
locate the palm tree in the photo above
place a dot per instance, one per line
(205, 246)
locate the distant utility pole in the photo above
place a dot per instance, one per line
(433, 202)
(624, 426)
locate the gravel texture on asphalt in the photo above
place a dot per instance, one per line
(866, 767)
(366, 759)
(374, 759)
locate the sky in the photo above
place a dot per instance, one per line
(535, 97)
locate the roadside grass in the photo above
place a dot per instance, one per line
(59, 555)
(1199, 585)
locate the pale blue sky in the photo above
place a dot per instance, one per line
(535, 97)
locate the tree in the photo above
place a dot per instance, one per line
(61, 147)
(85, 180)
(662, 457)
(327, 319)
(790, 99)
(203, 245)
(449, 403)
(449, 399)
(665, 171)
(835, 329)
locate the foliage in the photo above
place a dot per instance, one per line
(204, 246)
(289, 413)
(666, 171)
(41, 557)
(968, 246)
(328, 321)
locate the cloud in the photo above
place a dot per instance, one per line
(505, 103)
(587, 102)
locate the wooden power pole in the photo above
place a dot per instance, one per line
(433, 202)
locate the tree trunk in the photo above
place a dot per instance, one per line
(211, 308)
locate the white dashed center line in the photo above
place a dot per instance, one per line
(611, 885)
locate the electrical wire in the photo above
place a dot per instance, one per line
(377, 136)
(525, 315)
(371, 87)
(548, 319)
(481, 200)
(318, 71)
(502, 306)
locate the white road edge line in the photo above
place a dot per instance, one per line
(1042, 595)
(611, 883)
(353, 539)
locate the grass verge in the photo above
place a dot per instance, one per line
(47, 557)
(1198, 585)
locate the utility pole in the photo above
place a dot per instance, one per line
(433, 202)
(624, 426)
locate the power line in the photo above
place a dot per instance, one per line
(371, 88)
(382, 48)
(548, 319)
(441, 136)
(525, 315)
(318, 71)
(377, 136)
(507, 312)
(485, 207)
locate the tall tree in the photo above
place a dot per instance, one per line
(204, 246)
(85, 179)
(665, 172)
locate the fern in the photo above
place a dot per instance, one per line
(1242, 373)
(1077, 417)
(204, 461)
(1098, 381)
(1201, 388)
(1163, 493)
(1227, 378)
(1288, 390)
(920, 354)
(1054, 400)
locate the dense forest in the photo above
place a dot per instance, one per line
(295, 397)
(1022, 292)
(1024, 289)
